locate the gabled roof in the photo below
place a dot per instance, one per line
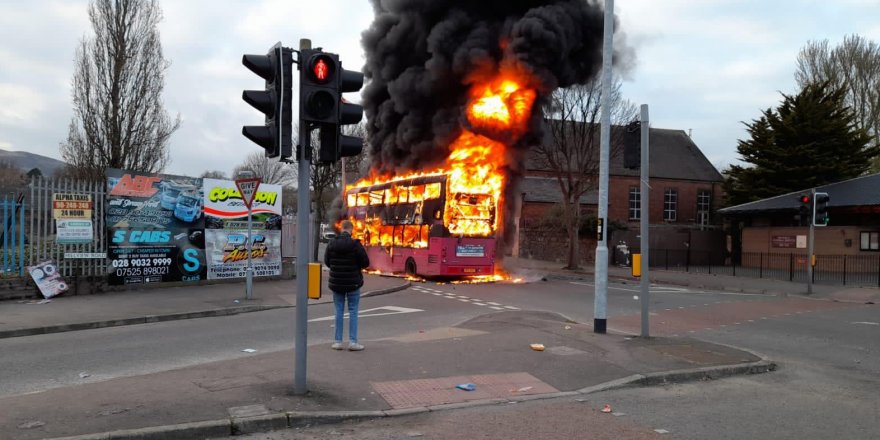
(673, 156)
(546, 190)
(864, 190)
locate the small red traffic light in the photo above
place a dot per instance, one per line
(320, 70)
(805, 199)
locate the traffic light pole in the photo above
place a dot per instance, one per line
(302, 251)
(645, 224)
(600, 299)
(810, 245)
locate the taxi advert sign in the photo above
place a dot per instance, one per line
(248, 188)
(71, 206)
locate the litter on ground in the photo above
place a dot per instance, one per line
(466, 386)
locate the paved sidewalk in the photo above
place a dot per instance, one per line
(69, 313)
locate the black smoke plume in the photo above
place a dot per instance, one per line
(423, 56)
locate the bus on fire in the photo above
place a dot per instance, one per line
(418, 226)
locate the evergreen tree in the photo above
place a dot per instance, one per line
(810, 140)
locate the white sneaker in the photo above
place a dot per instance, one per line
(354, 346)
(336, 346)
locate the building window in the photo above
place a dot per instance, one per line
(870, 241)
(704, 206)
(635, 203)
(670, 204)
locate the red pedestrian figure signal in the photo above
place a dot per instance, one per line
(321, 70)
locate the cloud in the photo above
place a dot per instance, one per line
(27, 108)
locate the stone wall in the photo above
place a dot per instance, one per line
(551, 244)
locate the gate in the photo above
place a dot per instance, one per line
(13, 235)
(73, 259)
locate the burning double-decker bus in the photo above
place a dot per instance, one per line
(423, 226)
(445, 222)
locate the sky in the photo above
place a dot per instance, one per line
(702, 66)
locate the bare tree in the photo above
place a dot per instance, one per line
(853, 65)
(268, 170)
(356, 166)
(119, 74)
(570, 150)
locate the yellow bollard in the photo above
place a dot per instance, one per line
(314, 280)
(637, 265)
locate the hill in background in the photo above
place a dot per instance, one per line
(28, 161)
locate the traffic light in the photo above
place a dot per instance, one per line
(322, 83)
(275, 101)
(806, 208)
(632, 146)
(820, 209)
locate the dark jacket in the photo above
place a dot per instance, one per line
(346, 257)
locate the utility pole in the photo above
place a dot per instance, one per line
(600, 304)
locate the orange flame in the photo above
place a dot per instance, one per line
(500, 110)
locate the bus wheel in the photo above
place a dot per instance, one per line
(410, 266)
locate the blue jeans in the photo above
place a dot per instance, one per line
(354, 298)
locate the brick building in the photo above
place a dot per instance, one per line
(685, 192)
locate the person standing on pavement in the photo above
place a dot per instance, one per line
(346, 258)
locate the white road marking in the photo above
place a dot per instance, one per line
(464, 300)
(479, 304)
(492, 303)
(511, 307)
(866, 323)
(392, 310)
(496, 308)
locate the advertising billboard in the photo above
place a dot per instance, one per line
(226, 230)
(156, 228)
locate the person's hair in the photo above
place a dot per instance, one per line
(347, 226)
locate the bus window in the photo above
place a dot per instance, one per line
(391, 196)
(351, 199)
(376, 197)
(403, 195)
(363, 199)
(417, 193)
(432, 191)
